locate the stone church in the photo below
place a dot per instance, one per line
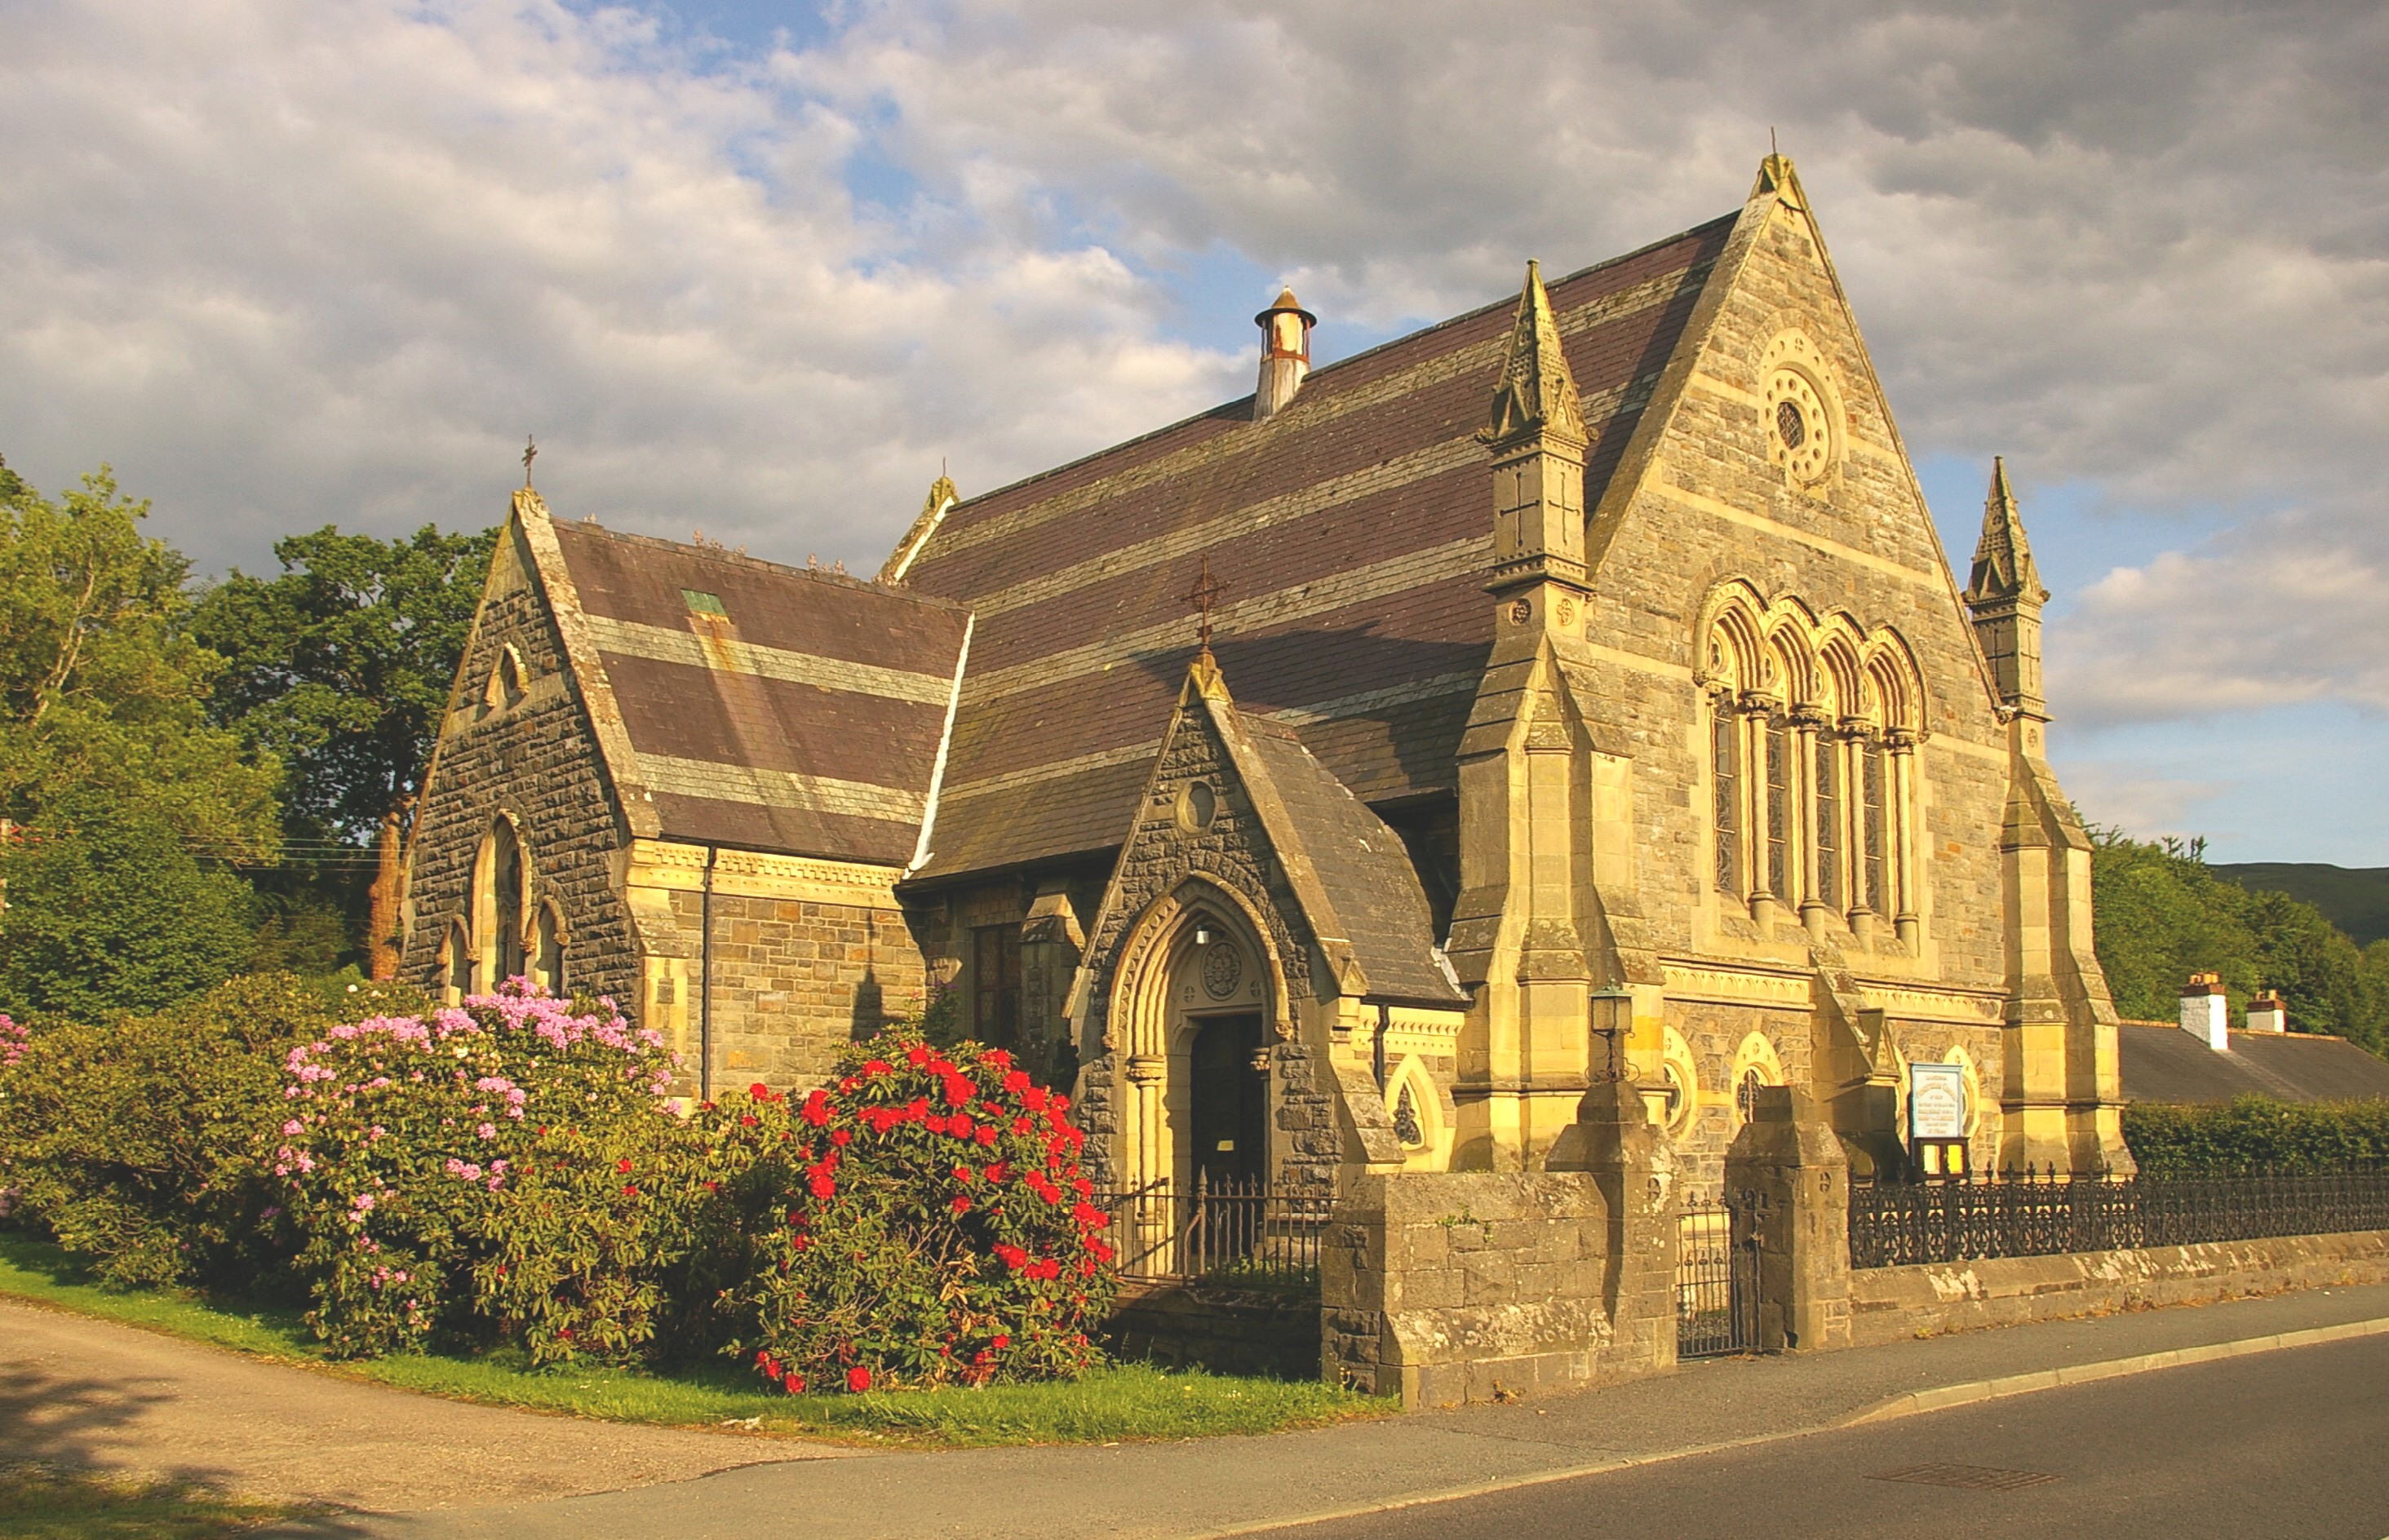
(1348, 778)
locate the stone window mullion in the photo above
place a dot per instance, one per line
(1900, 793)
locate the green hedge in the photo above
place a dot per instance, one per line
(2255, 1134)
(137, 1142)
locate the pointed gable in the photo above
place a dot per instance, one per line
(1769, 452)
(1352, 530)
(1288, 835)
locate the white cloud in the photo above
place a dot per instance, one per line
(287, 263)
(2281, 611)
(2130, 794)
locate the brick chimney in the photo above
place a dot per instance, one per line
(1285, 353)
(2205, 1013)
(2267, 1014)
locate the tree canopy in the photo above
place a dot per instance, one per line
(341, 665)
(341, 668)
(104, 690)
(114, 784)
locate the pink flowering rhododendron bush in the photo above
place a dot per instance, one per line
(923, 1220)
(438, 1168)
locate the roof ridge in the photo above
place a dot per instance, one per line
(1239, 409)
(728, 556)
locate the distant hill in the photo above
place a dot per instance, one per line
(2354, 899)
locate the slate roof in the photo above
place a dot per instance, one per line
(1352, 530)
(2165, 1063)
(1363, 871)
(766, 707)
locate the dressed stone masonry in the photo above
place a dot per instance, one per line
(1612, 751)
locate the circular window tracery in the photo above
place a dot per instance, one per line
(1802, 415)
(1802, 438)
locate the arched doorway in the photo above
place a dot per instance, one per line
(1195, 1011)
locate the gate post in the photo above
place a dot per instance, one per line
(1614, 1141)
(1788, 1176)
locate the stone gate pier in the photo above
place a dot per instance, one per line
(1449, 1286)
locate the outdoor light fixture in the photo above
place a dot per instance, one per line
(1610, 1017)
(1202, 935)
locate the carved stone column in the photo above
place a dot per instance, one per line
(1806, 722)
(1758, 710)
(1146, 1074)
(1858, 735)
(1901, 876)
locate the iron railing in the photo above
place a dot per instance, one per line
(1221, 1230)
(1892, 1224)
(1716, 1282)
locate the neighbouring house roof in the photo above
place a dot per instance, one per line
(768, 707)
(2165, 1063)
(1352, 530)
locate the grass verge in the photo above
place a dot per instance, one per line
(1126, 1402)
(40, 1503)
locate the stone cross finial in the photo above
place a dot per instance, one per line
(531, 452)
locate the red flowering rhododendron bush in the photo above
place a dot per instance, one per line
(923, 1220)
(440, 1175)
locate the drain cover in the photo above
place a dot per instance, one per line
(1981, 1478)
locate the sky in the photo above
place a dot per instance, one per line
(760, 269)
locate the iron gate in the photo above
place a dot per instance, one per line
(1716, 1282)
(1221, 1229)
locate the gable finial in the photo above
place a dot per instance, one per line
(1777, 177)
(1201, 599)
(531, 452)
(1538, 390)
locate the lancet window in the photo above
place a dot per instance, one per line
(1811, 731)
(501, 893)
(547, 950)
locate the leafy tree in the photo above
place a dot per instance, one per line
(113, 784)
(109, 911)
(103, 687)
(341, 666)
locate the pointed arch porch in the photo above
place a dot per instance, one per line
(1157, 1003)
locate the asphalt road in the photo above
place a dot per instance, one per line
(2292, 1444)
